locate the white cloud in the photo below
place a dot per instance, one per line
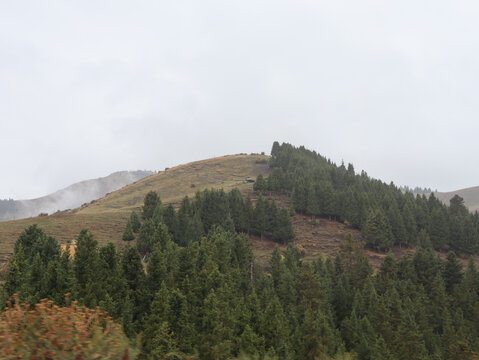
(88, 88)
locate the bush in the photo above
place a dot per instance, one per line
(53, 332)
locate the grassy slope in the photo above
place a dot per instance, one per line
(470, 196)
(106, 217)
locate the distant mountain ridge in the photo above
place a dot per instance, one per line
(470, 196)
(70, 197)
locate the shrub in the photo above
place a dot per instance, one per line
(52, 332)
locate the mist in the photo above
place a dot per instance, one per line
(69, 198)
(90, 88)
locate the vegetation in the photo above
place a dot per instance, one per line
(386, 215)
(107, 217)
(191, 287)
(202, 294)
(53, 332)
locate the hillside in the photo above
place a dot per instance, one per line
(70, 197)
(106, 218)
(470, 196)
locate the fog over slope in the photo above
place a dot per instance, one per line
(70, 197)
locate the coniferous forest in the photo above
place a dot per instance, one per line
(189, 286)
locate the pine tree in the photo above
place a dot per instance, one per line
(377, 231)
(128, 232)
(259, 184)
(271, 216)
(299, 196)
(457, 207)
(86, 266)
(249, 342)
(151, 202)
(438, 229)
(313, 207)
(284, 231)
(409, 343)
(259, 216)
(146, 237)
(135, 221)
(16, 273)
(397, 224)
(275, 328)
(452, 272)
(237, 210)
(161, 236)
(171, 221)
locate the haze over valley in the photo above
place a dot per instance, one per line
(70, 197)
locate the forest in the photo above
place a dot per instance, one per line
(386, 215)
(189, 286)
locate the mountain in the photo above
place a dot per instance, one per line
(470, 196)
(106, 217)
(70, 197)
(342, 203)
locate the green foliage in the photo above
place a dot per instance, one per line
(208, 298)
(191, 287)
(283, 232)
(151, 202)
(128, 232)
(319, 187)
(377, 231)
(135, 222)
(260, 183)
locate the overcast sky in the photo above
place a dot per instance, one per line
(92, 87)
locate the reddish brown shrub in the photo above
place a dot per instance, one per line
(52, 332)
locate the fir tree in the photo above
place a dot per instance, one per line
(128, 232)
(151, 202)
(135, 222)
(377, 231)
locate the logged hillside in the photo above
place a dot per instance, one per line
(70, 197)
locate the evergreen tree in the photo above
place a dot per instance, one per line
(259, 216)
(237, 210)
(128, 232)
(452, 271)
(86, 267)
(135, 222)
(171, 221)
(259, 184)
(283, 232)
(377, 231)
(146, 237)
(151, 202)
(397, 224)
(457, 207)
(438, 229)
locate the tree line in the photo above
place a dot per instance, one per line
(208, 299)
(386, 215)
(209, 208)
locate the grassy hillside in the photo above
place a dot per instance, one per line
(470, 196)
(106, 218)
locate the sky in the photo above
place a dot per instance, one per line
(92, 87)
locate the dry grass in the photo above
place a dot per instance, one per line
(106, 218)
